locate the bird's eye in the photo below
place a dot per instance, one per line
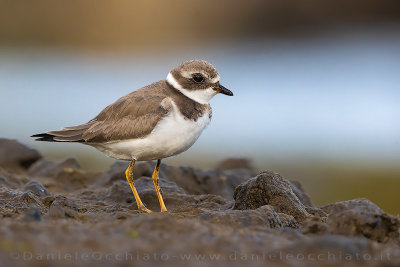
(198, 78)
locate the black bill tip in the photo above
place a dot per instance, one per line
(223, 90)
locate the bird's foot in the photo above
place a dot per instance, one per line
(143, 208)
(163, 209)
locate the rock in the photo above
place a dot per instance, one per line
(217, 182)
(10, 180)
(196, 181)
(32, 214)
(120, 192)
(14, 203)
(169, 190)
(317, 212)
(50, 168)
(36, 188)
(62, 208)
(298, 190)
(264, 216)
(116, 172)
(271, 221)
(332, 250)
(361, 217)
(16, 155)
(193, 181)
(66, 173)
(4, 181)
(235, 163)
(269, 188)
(314, 225)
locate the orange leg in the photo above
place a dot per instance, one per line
(155, 181)
(128, 174)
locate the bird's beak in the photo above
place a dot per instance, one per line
(220, 89)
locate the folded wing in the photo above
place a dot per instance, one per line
(132, 116)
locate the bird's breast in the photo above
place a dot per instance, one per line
(172, 135)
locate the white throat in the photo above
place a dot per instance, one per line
(200, 96)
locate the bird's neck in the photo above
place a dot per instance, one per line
(201, 96)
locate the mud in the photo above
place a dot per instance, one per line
(55, 214)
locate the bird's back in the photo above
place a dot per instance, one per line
(132, 116)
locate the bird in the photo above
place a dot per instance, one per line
(157, 121)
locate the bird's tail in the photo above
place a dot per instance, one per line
(66, 134)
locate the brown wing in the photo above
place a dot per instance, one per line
(66, 134)
(132, 116)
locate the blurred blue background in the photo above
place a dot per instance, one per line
(316, 88)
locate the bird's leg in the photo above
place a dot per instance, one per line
(155, 181)
(128, 174)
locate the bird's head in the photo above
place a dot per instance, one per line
(198, 80)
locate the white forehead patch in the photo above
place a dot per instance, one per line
(215, 80)
(189, 74)
(201, 96)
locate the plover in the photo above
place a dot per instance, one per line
(154, 122)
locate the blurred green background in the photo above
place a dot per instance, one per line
(316, 83)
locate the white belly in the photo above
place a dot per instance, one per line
(172, 135)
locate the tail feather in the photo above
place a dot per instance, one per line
(66, 134)
(55, 138)
(44, 137)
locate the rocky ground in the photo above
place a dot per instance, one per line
(54, 214)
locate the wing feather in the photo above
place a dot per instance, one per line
(132, 116)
